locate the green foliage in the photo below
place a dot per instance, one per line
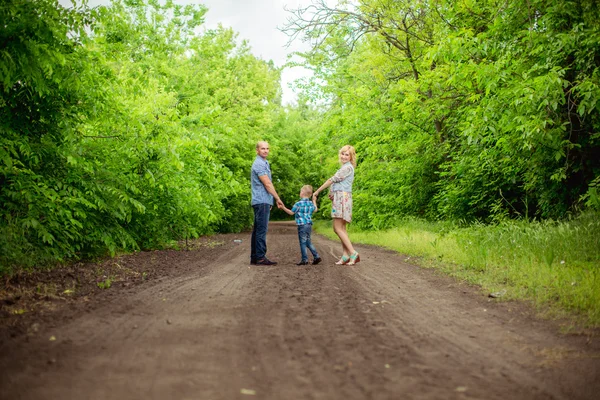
(184, 118)
(134, 135)
(464, 121)
(517, 133)
(40, 109)
(461, 110)
(105, 284)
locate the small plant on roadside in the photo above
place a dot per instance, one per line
(105, 284)
(46, 289)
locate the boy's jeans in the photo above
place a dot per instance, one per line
(258, 248)
(304, 238)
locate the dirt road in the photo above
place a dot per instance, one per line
(223, 329)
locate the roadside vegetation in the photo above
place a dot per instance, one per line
(556, 265)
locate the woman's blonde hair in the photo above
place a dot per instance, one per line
(351, 151)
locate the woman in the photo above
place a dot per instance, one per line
(341, 196)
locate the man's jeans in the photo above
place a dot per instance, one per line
(258, 248)
(304, 238)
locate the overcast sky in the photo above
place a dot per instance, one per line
(257, 22)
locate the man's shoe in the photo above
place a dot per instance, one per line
(253, 261)
(316, 261)
(265, 261)
(303, 263)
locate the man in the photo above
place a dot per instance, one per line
(263, 193)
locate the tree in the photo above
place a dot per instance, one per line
(507, 91)
(40, 109)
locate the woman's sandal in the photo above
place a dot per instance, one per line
(343, 261)
(354, 258)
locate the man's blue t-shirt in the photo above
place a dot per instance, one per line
(260, 167)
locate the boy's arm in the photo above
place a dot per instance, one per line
(287, 210)
(314, 200)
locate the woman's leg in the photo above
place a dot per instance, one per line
(339, 226)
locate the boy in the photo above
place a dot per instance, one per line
(302, 211)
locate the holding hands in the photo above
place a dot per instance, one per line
(330, 195)
(324, 186)
(316, 195)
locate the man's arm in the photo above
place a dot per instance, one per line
(271, 189)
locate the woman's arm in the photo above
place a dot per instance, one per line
(342, 173)
(323, 187)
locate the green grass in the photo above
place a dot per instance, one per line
(554, 264)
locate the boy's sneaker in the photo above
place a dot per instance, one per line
(316, 261)
(303, 263)
(265, 261)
